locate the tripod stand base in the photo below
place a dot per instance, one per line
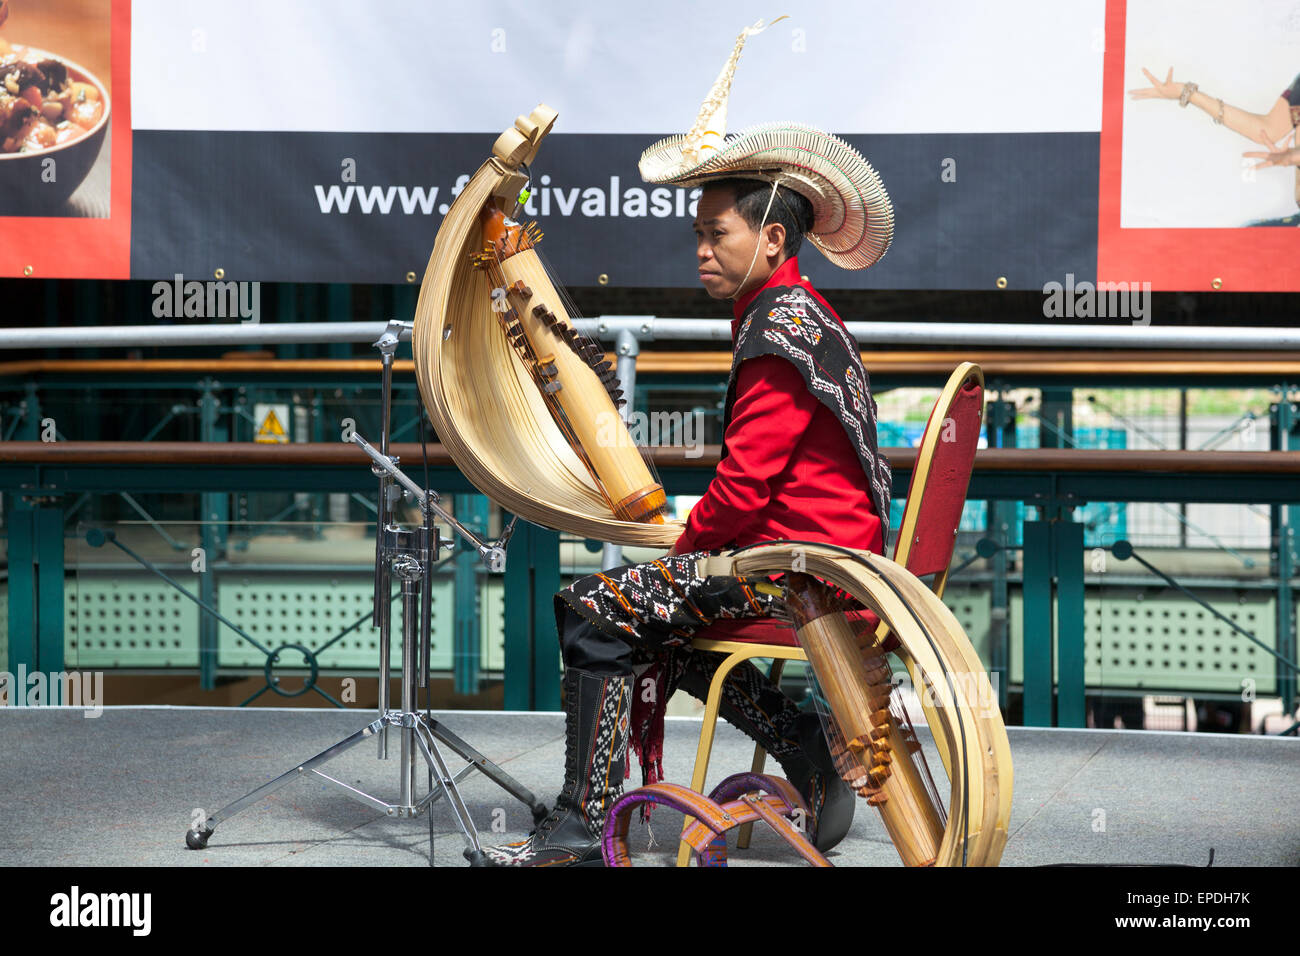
(419, 734)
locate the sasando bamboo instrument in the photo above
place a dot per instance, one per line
(874, 748)
(526, 408)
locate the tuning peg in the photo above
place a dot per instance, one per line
(551, 387)
(521, 289)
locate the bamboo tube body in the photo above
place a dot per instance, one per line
(858, 695)
(596, 423)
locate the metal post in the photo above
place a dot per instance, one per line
(36, 581)
(518, 613)
(1056, 418)
(408, 569)
(23, 604)
(382, 615)
(1068, 558)
(1036, 629)
(30, 429)
(472, 511)
(628, 347)
(532, 648)
(213, 509)
(49, 586)
(1284, 422)
(1001, 515)
(546, 665)
(1182, 443)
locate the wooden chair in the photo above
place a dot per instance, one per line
(926, 538)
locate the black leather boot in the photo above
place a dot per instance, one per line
(597, 717)
(794, 740)
(813, 774)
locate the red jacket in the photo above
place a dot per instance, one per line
(790, 470)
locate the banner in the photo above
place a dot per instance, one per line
(323, 141)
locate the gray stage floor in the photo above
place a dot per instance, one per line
(122, 789)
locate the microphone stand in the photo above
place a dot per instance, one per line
(410, 556)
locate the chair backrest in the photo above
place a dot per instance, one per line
(935, 499)
(937, 492)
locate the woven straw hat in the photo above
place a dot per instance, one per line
(853, 219)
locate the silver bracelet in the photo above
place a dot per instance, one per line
(1188, 89)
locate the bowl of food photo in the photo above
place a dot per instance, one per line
(53, 118)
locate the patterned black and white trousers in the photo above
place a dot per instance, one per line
(639, 620)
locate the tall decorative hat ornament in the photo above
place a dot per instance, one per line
(853, 219)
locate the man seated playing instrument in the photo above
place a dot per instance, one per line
(799, 462)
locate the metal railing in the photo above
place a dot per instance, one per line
(1054, 482)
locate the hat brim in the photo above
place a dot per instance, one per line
(853, 219)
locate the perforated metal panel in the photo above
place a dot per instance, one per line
(136, 620)
(972, 606)
(311, 609)
(127, 621)
(492, 621)
(1133, 640)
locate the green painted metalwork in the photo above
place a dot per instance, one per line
(29, 428)
(547, 665)
(129, 620)
(533, 666)
(1067, 542)
(1056, 418)
(470, 510)
(492, 620)
(133, 620)
(540, 664)
(1285, 436)
(22, 604)
(34, 608)
(214, 515)
(1148, 639)
(47, 530)
(1037, 618)
(1000, 427)
(971, 603)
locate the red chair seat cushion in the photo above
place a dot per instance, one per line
(749, 630)
(765, 630)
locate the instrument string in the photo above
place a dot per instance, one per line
(574, 313)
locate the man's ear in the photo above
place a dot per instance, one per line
(775, 237)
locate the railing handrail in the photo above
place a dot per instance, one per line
(1059, 460)
(1026, 362)
(660, 329)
